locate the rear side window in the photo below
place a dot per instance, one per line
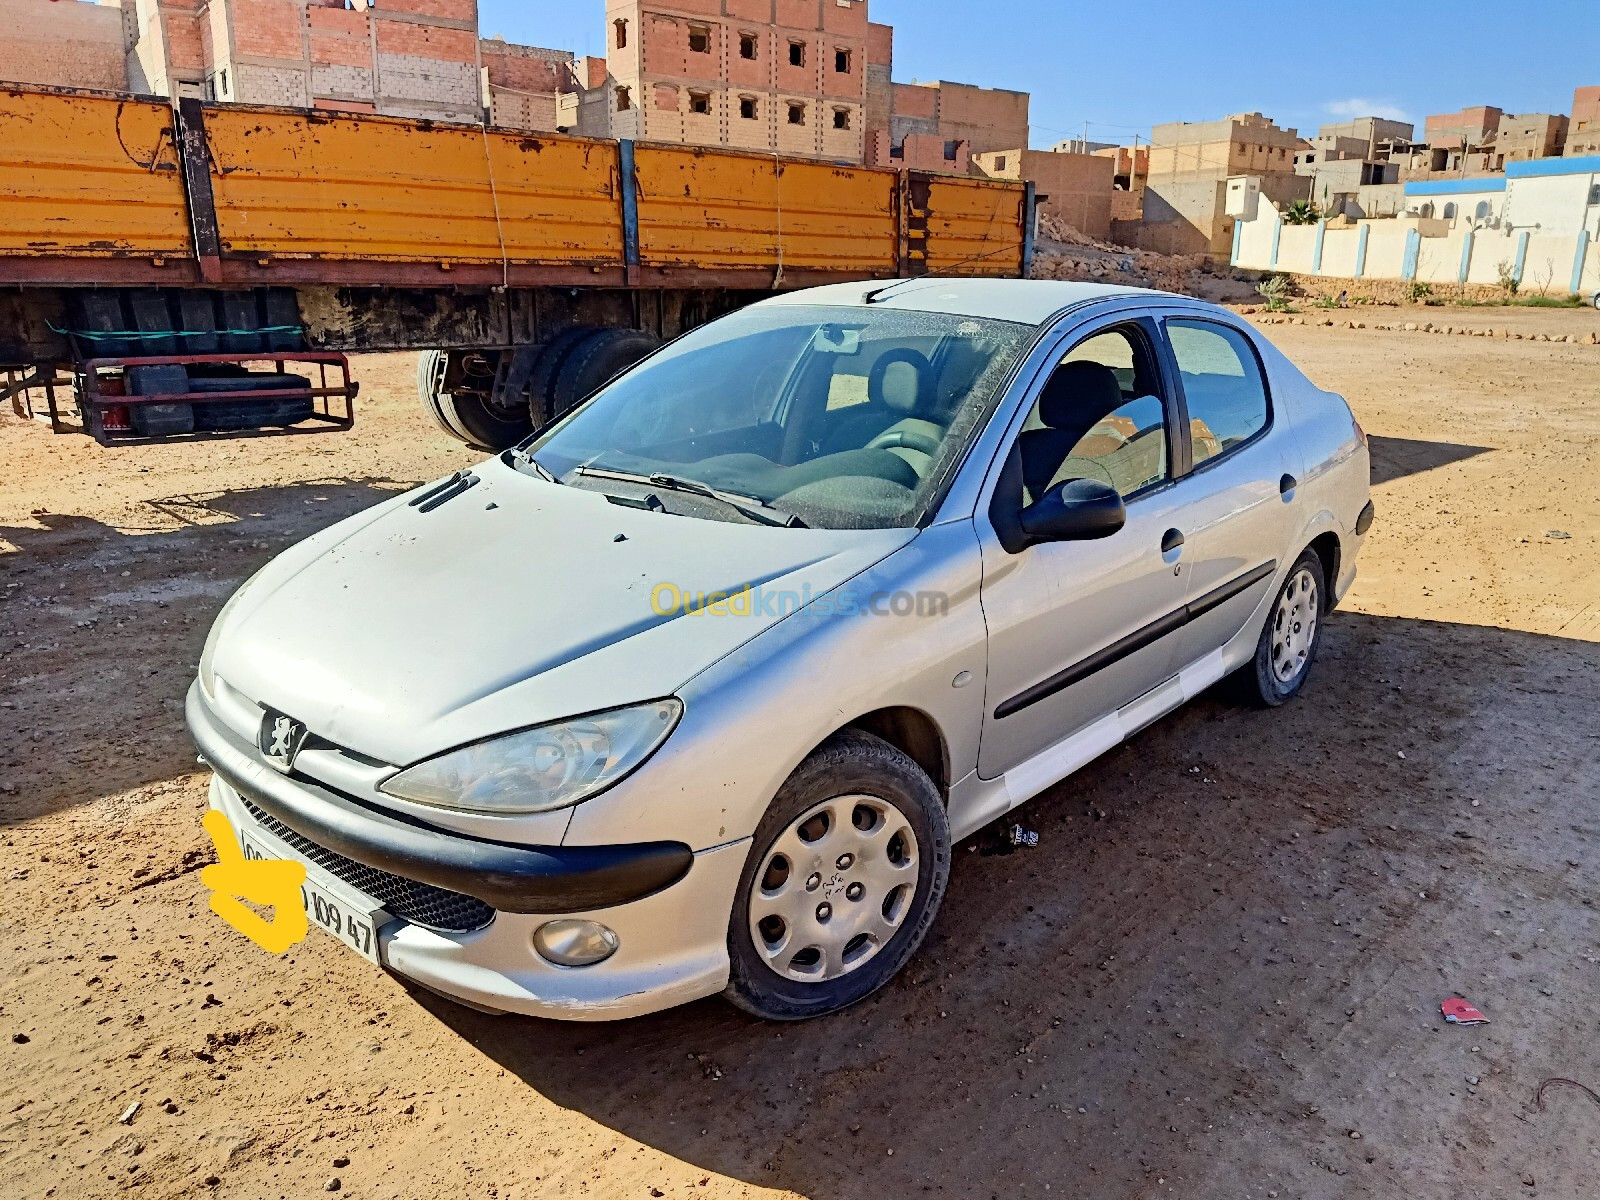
(1222, 385)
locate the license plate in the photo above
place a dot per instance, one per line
(337, 909)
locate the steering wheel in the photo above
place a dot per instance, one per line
(910, 439)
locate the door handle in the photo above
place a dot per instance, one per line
(1287, 484)
(1170, 541)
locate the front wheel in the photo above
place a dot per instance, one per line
(844, 877)
(1289, 640)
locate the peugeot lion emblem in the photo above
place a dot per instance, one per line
(280, 739)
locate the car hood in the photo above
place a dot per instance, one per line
(401, 633)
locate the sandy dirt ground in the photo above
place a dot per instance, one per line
(1217, 975)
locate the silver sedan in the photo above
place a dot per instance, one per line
(694, 691)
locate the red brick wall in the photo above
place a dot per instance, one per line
(427, 41)
(62, 45)
(526, 73)
(340, 37)
(267, 28)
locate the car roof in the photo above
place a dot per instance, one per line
(1029, 301)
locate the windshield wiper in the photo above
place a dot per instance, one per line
(524, 457)
(753, 507)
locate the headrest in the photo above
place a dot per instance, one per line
(1078, 394)
(900, 379)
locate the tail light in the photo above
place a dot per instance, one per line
(1361, 434)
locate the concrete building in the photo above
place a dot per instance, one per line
(1366, 138)
(785, 76)
(523, 85)
(1190, 163)
(941, 126)
(1074, 188)
(415, 58)
(1523, 137)
(63, 45)
(1583, 131)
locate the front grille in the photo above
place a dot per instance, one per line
(420, 903)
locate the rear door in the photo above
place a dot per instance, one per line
(1236, 499)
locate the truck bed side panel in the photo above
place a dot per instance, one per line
(293, 184)
(89, 176)
(716, 211)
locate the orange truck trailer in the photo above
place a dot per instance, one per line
(178, 267)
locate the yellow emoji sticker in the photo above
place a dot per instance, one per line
(271, 883)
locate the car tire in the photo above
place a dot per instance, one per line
(1289, 640)
(895, 856)
(1595, 299)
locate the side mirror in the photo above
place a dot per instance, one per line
(1078, 510)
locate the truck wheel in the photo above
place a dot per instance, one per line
(541, 384)
(431, 366)
(488, 426)
(597, 360)
(844, 877)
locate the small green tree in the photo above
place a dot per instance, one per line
(1302, 212)
(1274, 289)
(1509, 283)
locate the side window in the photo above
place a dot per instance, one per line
(1099, 416)
(1222, 386)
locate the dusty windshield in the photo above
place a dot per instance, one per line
(841, 418)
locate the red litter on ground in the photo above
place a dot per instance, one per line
(1458, 1012)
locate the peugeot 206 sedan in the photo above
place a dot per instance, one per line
(692, 692)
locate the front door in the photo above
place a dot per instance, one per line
(1078, 629)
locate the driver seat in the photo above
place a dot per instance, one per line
(1077, 397)
(898, 389)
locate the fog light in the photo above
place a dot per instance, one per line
(575, 943)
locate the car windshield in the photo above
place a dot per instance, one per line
(839, 418)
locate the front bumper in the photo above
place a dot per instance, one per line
(512, 878)
(672, 934)
(674, 946)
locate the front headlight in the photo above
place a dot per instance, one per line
(537, 770)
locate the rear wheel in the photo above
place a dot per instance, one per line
(844, 877)
(1289, 640)
(594, 362)
(431, 365)
(541, 384)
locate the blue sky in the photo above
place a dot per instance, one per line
(1128, 65)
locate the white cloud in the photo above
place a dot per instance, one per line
(1359, 106)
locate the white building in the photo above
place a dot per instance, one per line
(1539, 223)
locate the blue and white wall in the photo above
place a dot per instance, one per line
(1542, 220)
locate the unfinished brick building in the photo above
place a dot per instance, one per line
(62, 45)
(787, 76)
(1583, 136)
(414, 58)
(941, 126)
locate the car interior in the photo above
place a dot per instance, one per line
(1099, 416)
(833, 418)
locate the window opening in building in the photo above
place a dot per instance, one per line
(747, 45)
(797, 54)
(797, 114)
(699, 39)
